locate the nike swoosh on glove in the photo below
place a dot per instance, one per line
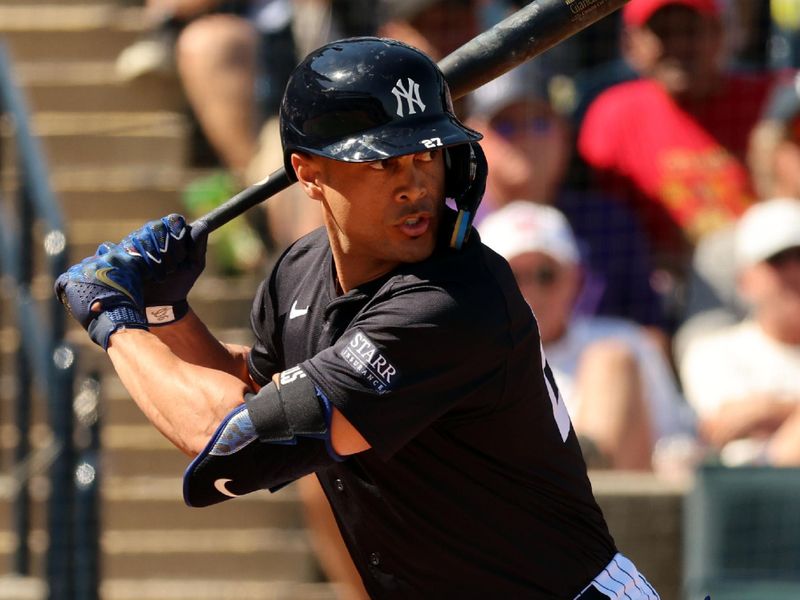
(111, 280)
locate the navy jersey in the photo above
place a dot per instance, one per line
(475, 485)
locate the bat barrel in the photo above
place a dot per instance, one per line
(528, 32)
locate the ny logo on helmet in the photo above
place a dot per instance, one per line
(411, 95)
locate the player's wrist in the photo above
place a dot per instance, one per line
(113, 320)
(165, 313)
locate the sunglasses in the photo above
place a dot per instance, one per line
(785, 257)
(543, 277)
(535, 125)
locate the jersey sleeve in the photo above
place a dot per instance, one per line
(264, 359)
(407, 362)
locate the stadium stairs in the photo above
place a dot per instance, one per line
(118, 154)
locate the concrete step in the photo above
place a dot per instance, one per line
(255, 554)
(156, 502)
(94, 86)
(38, 492)
(250, 553)
(112, 139)
(115, 3)
(146, 528)
(644, 513)
(211, 589)
(13, 587)
(128, 205)
(148, 502)
(68, 32)
(123, 192)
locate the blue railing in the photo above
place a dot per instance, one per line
(45, 363)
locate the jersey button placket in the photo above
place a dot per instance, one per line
(375, 559)
(338, 484)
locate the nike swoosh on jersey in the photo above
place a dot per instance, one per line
(102, 275)
(297, 312)
(222, 488)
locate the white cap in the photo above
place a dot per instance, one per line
(766, 229)
(523, 226)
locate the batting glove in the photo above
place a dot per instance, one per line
(170, 257)
(112, 281)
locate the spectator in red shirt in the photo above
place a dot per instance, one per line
(673, 142)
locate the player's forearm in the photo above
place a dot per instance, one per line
(184, 401)
(190, 340)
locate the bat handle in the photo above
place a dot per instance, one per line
(249, 197)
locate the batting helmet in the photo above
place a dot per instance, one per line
(366, 99)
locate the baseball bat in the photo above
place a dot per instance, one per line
(521, 36)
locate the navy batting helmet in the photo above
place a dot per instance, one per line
(365, 99)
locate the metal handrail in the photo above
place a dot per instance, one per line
(44, 360)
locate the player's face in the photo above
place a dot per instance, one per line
(549, 287)
(384, 213)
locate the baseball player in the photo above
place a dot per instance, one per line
(394, 355)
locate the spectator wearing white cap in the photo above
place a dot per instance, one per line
(744, 380)
(773, 159)
(617, 385)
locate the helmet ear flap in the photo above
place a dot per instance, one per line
(465, 183)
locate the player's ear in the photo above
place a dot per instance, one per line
(308, 173)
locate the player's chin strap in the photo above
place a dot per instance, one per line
(275, 437)
(465, 182)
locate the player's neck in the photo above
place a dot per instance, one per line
(350, 272)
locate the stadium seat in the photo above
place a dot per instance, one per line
(742, 534)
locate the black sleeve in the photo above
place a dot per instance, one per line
(264, 359)
(408, 360)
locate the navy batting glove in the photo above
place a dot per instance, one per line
(171, 255)
(112, 281)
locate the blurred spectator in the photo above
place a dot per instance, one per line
(216, 45)
(773, 158)
(617, 385)
(528, 145)
(673, 143)
(774, 151)
(744, 380)
(437, 27)
(233, 58)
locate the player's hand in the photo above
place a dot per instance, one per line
(171, 255)
(104, 294)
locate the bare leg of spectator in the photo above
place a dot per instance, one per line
(290, 214)
(327, 541)
(612, 411)
(216, 58)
